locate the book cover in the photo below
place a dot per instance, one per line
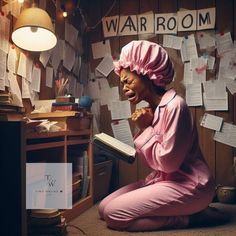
(114, 146)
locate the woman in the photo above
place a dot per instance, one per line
(178, 191)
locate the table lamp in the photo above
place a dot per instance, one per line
(33, 30)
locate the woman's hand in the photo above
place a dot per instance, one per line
(143, 117)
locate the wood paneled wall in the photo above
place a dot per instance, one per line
(219, 156)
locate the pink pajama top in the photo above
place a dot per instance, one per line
(170, 145)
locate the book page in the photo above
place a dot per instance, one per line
(115, 143)
(122, 131)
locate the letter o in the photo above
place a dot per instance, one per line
(169, 23)
(191, 21)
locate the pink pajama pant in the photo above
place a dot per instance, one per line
(164, 204)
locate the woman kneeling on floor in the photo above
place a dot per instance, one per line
(178, 191)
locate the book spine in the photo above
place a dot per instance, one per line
(85, 175)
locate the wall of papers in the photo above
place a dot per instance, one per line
(205, 64)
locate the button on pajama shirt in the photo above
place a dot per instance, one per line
(180, 183)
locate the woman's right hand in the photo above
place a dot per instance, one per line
(143, 117)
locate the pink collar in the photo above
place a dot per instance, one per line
(167, 97)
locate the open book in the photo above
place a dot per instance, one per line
(115, 147)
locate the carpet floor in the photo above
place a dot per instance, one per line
(90, 223)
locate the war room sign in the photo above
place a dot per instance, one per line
(149, 23)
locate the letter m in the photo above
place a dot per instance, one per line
(204, 19)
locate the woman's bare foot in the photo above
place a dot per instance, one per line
(208, 217)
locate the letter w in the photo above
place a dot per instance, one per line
(112, 23)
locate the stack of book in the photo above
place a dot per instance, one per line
(46, 222)
(8, 111)
(76, 187)
(5, 98)
(65, 103)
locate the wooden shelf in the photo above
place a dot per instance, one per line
(75, 142)
(39, 146)
(58, 143)
(57, 134)
(69, 138)
(78, 208)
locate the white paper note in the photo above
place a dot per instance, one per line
(15, 90)
(198, 67)
(3, 73)
(231, 86)
(69, 59)
(36, 79)
(25, 88)
(101, 49)
(71, 34)
(121, 130)
(106, 66)
(188, 76)
(194, 94)
(93, 89)
(11, 59)
(22, 65)
(49, 77)
(44, 57)
(189, 48)
(215, 104)
(212, 122)
(214, 89)
(224, 42)
(4, 33)
(108, 95)
(171, 41)
(227, 135)
(206, 40)
(120, 110)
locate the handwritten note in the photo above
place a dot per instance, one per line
(212, 122)
(227, 135)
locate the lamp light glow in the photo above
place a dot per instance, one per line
(64, 14)
(34, 31)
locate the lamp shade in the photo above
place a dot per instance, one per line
(33, 30)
